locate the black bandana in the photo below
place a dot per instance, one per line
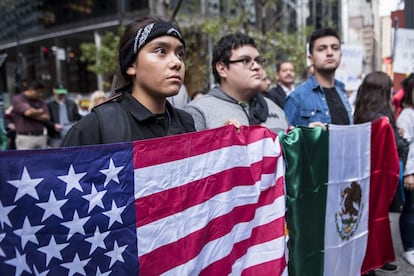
(142, 37)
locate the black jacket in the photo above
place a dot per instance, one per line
(277, 95)
(73, 116)
(123, 119)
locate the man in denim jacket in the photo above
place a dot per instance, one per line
(321, 99)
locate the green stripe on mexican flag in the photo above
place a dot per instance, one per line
(339, 185)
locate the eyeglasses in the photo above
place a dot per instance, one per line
(248, 62)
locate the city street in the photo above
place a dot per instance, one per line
(405, 268)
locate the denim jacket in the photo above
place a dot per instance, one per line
(307, 103)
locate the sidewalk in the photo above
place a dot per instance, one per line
(405, 268)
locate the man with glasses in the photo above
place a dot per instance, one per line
(238, 71)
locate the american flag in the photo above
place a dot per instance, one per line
(199, 203)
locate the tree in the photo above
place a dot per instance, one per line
(202, 31)
(102, 60)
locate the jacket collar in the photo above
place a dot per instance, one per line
(317, 87)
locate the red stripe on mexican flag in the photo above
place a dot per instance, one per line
(339, 185)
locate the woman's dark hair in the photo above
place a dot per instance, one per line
(408, 86)
(223, 49)
(374, 98)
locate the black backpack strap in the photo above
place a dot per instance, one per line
(113, 121)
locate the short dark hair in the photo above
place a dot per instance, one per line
(222, 50)
(322, 33)
(279, 64)
(35, 85)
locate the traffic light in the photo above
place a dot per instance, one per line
(70, 54)
(44, 53)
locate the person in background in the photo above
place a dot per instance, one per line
(285, 78)
(237, 68)
(83, 106)
(63, 114)
(96, 98)
(398, 96)
(405, 121)
(151, 60)
(264, 87)
(321, 99)
(29, 113)
(199, 93)
(306, 73)
(373, 101)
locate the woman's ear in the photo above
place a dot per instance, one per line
(131, 70)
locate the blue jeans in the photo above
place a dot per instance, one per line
(407, 221)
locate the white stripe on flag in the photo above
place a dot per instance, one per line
(349, 162)
(157, 178)
(240, 232)
(171, 228)
(260, 253)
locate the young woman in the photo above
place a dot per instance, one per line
(372, 102)
(151, 59)
(406, 122)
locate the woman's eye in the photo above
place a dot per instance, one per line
(180, 54)
(159, 51)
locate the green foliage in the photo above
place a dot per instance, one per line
(201, 32)
(102, 60)
(273, 45)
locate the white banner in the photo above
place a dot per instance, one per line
(404, 51)
(350, 69)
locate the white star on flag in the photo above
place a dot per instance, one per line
(76, 225)
(95, 198)
(37, 273)
(76, 266)
(111, 173)
(27, 232)
(19, 262)
(2, 235)
(98, 272)
(114, 214)
(97, 240)
(116, 253)
(52, 250)
(26, 185)
(72, 180)
(52, 206)
(4, 215)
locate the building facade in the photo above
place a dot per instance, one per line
(40, 38)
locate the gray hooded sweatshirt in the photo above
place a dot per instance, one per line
(215, 108)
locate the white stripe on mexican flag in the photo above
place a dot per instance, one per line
(346, 223)
(339, 185)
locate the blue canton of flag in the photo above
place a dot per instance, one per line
(68, 211)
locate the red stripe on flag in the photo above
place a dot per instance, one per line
(383, 184)
(275, 267)
(196, 143)
(260, 234)
(174, 254)
(199, 191)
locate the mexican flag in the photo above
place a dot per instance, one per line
(339, 186)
